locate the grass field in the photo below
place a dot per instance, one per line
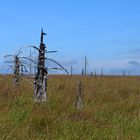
(111, 110)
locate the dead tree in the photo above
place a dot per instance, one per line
(85, 65)
(41, 71)
(95, 74)
(16, 71)
(17, 66)
(91, 74)
(71, 70)
(40, 83)
(124, 74)
(79, 96)
(102, 72)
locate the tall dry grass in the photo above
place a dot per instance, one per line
(111, 109)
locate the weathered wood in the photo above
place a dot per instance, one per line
(16, 72)
(40, 89)
(79, 96)
(40, 83)
(85, 65)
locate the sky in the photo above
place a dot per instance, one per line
(106, 31)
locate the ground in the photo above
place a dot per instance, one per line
(111, 109)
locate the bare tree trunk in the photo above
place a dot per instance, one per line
(71, 70)
(16, 72)
(79, 96)
(85, 65)
(40, 89)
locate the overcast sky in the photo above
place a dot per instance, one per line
(106, 31)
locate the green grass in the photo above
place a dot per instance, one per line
(111, 110)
